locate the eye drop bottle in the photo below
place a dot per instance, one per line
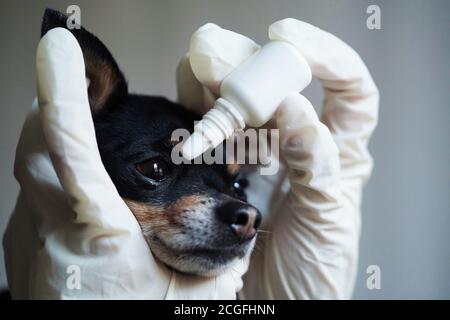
(250, 95)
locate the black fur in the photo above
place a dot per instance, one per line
(138, 130)
(131, 128)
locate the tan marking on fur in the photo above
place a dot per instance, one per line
(164, 222)
(143, 210)
(164, 219)
(147, 215)
(233, 168)
(188, 202)
(102, 82)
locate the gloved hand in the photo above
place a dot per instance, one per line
(70, 223)
(312, 206)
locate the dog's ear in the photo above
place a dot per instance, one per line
(107, 83)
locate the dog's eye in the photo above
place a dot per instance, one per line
(239, 186)
(155, 169)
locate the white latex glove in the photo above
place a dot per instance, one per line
(312, 207)
(69, 216)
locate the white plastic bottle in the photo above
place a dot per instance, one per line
(250, 95)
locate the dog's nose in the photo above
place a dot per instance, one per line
(243, 219)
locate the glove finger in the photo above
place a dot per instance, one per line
(191, 93)
(309, 150)
(70, 135)
(214, 53)
(351, 96)
(331, 59)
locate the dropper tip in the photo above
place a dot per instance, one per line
(195, 145)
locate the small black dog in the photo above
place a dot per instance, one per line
(195, 217)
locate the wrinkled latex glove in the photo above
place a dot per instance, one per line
(312, 206)
(69, 219)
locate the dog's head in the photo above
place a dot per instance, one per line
(194, 216)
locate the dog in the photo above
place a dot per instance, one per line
(194, 217)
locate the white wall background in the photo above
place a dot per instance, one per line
(406, 210)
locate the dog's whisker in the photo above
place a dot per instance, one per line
(258, 248)
(263, 237)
